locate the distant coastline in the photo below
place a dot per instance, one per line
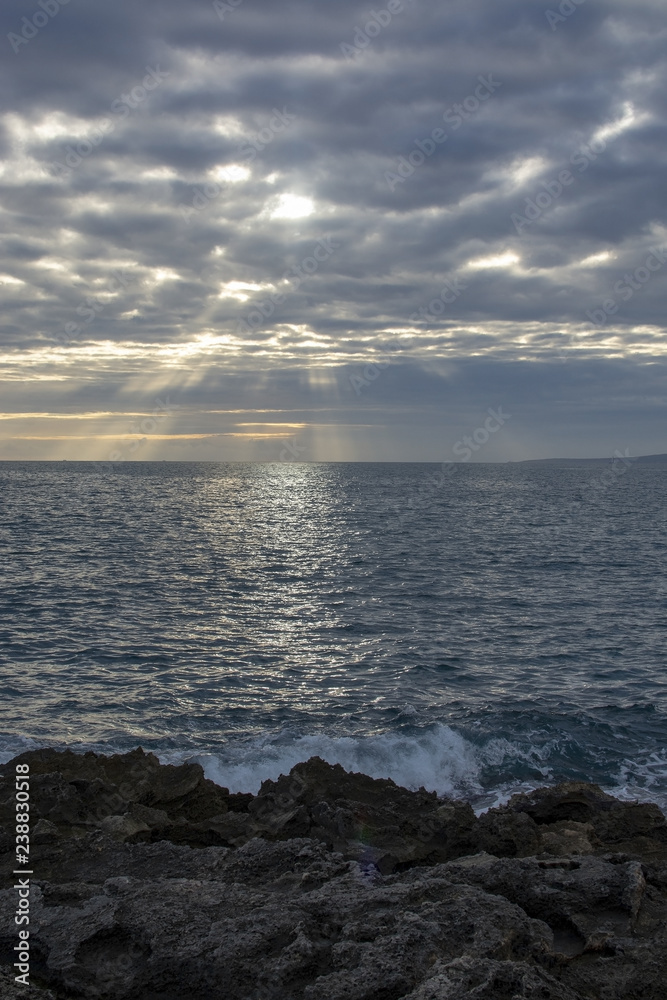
(631, 459)
(642, 459)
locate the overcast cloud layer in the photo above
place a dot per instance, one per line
(304, 230)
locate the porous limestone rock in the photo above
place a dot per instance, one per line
(152, 883)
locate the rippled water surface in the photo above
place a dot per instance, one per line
(476, 631)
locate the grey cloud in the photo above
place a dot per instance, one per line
(355, 120)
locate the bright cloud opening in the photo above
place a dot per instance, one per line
(501, 260)
(232, 173)
(597, 258)
(238, 290)
(293, 206)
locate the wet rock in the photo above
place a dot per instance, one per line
(374, 821)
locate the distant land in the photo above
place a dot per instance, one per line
(628, 459)
(642, 459)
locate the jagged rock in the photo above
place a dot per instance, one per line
(291, 920)
(132, 793)
(507, 834)
(370, 819)
(612, 823)
(314, 928)
(152, 883)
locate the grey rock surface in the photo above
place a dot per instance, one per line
(425, 909)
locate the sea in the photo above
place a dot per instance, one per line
(475, 629)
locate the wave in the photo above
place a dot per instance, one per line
(440, 760)
(485, 771)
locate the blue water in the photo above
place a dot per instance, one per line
(477, 630)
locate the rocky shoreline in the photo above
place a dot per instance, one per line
(150, 882)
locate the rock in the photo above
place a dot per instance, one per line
(11, 990)
(44, 832)
(570, 895)
(595, 907)
(612, 823)
(507, 834)
(567, 838)
(151, 883)
(123, 827)
(312, 927)
(291, 920)
(372, 820)
(484, 979)
(79, 792)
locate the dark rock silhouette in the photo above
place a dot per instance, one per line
(152, 882)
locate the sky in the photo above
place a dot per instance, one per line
(316, 230)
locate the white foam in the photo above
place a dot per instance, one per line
(644, 780)
(436, 758)
(12, 746)
(439, 759)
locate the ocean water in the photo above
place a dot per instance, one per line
(477, 630)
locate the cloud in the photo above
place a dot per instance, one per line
(156, 156)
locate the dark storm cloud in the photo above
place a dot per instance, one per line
(147, 148)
